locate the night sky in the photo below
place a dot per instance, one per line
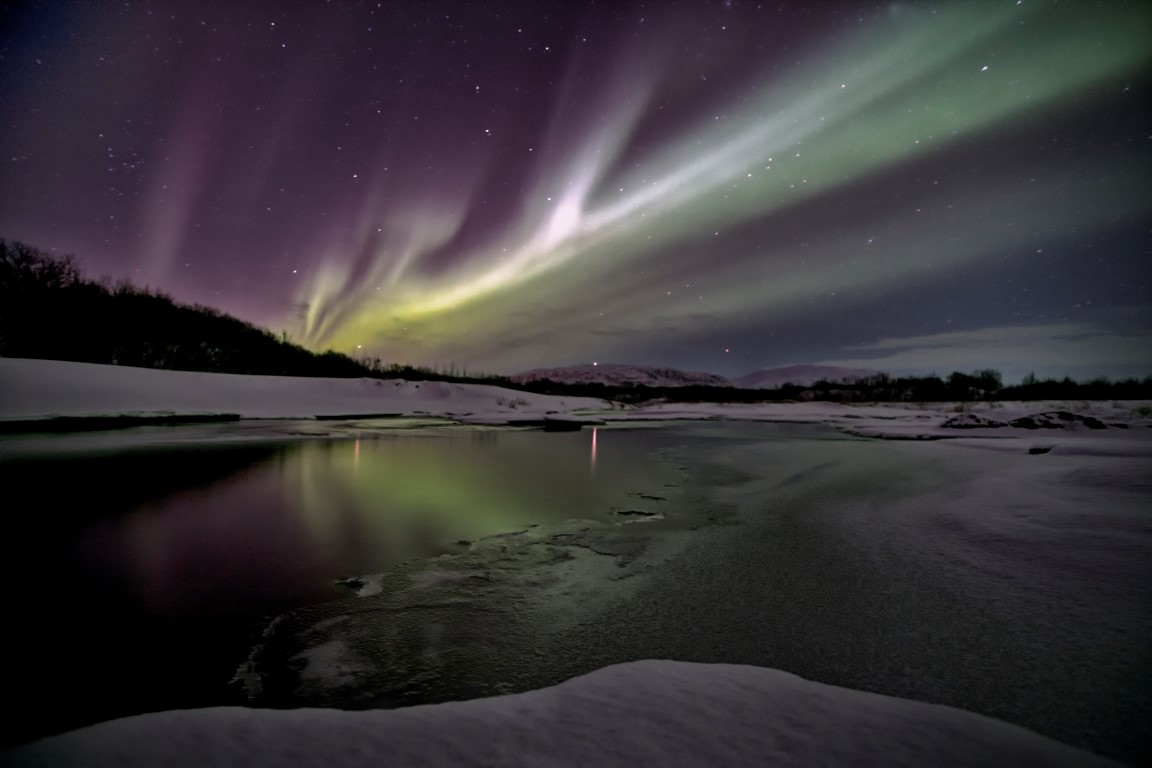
(719, 186)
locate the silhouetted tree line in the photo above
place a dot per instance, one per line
(49, 310)
(450, 372)
(965, 387)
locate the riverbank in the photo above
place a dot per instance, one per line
(53, 391)
(54, 396)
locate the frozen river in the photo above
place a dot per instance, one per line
(963, 572)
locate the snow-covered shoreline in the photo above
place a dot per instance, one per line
(45, 390)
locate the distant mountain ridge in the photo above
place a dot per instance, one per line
(616, 374)
(800, 375)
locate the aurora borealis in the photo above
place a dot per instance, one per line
(718, 186)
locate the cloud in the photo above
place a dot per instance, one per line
(1052, 349)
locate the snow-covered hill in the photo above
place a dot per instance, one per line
(800, 375)
(615, 374)
(41, 389)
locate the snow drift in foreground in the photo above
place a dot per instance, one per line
(642, 713)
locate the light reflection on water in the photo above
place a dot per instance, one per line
(592, 461)
(321, 510)
(165, 558)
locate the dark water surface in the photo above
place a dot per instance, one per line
(138, 572)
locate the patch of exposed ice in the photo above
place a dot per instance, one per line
(331, 662)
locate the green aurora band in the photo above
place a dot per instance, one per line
(596, 248)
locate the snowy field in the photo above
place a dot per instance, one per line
(966, 564)
(44, 390)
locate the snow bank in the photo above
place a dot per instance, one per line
(642, 713)
(1119, 420)
(44, 389)
(36, 389)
